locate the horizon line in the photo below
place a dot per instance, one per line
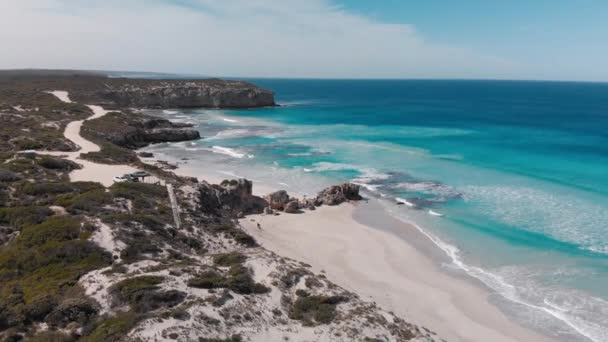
(197, 75)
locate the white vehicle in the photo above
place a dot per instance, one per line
(121, 179)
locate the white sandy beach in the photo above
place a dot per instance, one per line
(384, 268)
(381, 267)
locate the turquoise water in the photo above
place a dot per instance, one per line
(509, 179)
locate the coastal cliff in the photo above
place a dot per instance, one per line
(212, 93)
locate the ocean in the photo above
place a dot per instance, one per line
(509, 179)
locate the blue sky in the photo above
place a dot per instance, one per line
(502, 39)
(525, 29)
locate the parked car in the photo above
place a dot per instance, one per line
(121, 179)
(139, 174)
(125, 178)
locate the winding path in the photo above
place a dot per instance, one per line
(90, 171)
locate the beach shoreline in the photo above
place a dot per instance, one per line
(355, 242)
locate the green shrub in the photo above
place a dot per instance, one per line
(229, 259)
(48, 257)
(148, 221)
(88, 202)
(313, 310)
(60, 228)
(20, 217)
(27, 144)
(238, 235)
(143, 295)
(134, 191)
(136, 248)
(39, 189)
(238, 280)
(9, 176)
(128, 289)
(51, 336)
(53, 163)
(207, 280)
(114, 328)
(111, 154)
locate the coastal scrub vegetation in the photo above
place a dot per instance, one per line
(314, 309)
(33, 119)
(238, 279)
(143, 294)
(39, 270)
(111, 154)
(113, 328)
(229, 259)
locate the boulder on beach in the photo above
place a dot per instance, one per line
(277, 200)
(338, 194)
(232, 196)
(292, 207)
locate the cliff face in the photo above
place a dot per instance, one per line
(188, 94)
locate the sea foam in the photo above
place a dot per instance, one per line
(515, 294)
(230, 152)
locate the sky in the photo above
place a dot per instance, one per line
(465, 39)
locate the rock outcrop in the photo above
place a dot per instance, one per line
(292, 207)
(277, 200)
(136, 131)
(334, 195)
(233, 197)
(212, 93)
(169, 135)
(338, 194)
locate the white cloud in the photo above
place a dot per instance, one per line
(284, 38)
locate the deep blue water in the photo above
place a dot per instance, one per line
(518, 171)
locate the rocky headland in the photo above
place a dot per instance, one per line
(211, 93)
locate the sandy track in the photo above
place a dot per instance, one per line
(94, 172)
